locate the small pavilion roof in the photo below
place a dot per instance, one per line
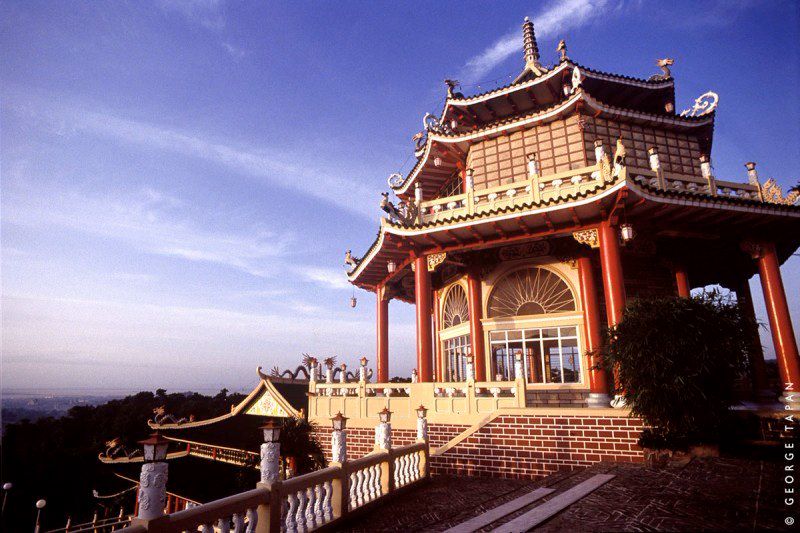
(451, 148)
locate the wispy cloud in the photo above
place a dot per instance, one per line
(561, 16)
(146, 221)
(267, 165)
(235, 51)
(326, 277)
(209, 14)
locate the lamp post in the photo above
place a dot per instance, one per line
(271, 451)
(6, 488)
(339, 439)
(383, 431)
(39, 506)
(422, 423)
(362, 371)
(153, 479)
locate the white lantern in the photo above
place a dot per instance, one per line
(155, 448)
(272, 431)
(339, 422)
(626, 232)
(437, 161)
(385, 415)
(391, 266)
(353, 301)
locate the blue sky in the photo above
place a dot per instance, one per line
(180, 178)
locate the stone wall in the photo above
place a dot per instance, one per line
(518, 446)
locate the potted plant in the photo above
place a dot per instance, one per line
(677, 360)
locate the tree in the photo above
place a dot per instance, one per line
(677, 360)
(299, 445)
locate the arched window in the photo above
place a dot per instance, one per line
(530, 291)
(456, 308)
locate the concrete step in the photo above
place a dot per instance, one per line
(553, 506)
(499, 512)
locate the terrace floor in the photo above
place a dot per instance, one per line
(719, 494)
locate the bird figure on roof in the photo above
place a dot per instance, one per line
(562, 49)
(664, 65)
(451, 85)
(350, 260)
(389, 208)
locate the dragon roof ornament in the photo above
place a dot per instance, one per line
(703, 105)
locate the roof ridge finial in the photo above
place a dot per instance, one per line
(529, 44)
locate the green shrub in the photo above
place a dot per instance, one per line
(677, 361)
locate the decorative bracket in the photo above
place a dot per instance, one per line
(588, 237)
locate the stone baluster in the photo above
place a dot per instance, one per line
(252, 520)
(300, 517)
(422, 424)
(238, 523)
(291, 519)
(223, 525)
(311, 515)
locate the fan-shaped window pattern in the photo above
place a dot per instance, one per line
(456, 308)
(532, 291)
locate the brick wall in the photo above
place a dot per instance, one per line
(517, 446)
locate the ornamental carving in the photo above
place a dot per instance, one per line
(435, 260)
(588, 237)
(705, 104)
(773, 193)
(522, 251)
(267, 406)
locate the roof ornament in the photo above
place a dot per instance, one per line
(433, 125)
(115, 449)
(404, 213)
(774, 194)
(451, 85)
(577, 78)
(664, 64)
(161, 417)
(705, 104)
(562, 49)
(531, 49)
(395, 180)
(350, 260)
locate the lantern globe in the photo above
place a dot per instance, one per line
(391, 266)
(339, 421)
(154, 448)
(272, 430)
(626, 232)
(422, 411)
(40, 504)
(385, 415)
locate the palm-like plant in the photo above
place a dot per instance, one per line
(677, 361)
(300, 446)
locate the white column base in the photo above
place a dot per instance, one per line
(152, 490)
(618, 402)
(598, 400)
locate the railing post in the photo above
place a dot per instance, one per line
(269, 512)
(533, 177)
(519, 380)
(705, 170)
(383, 431)
(422, 424)
(752, 178)
(655, 166)
(469, 186)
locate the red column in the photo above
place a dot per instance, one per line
(682, 281)
(437, 345)
(757, 365)
(611, 265)
(382, 330)
(475, 326)
(613, 282)
(780, 323)
(422, 297)
(598, 382)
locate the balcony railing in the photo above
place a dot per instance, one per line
(468, 401)
(562, 185)
(302, 503)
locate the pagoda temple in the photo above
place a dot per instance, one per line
(536, 209)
